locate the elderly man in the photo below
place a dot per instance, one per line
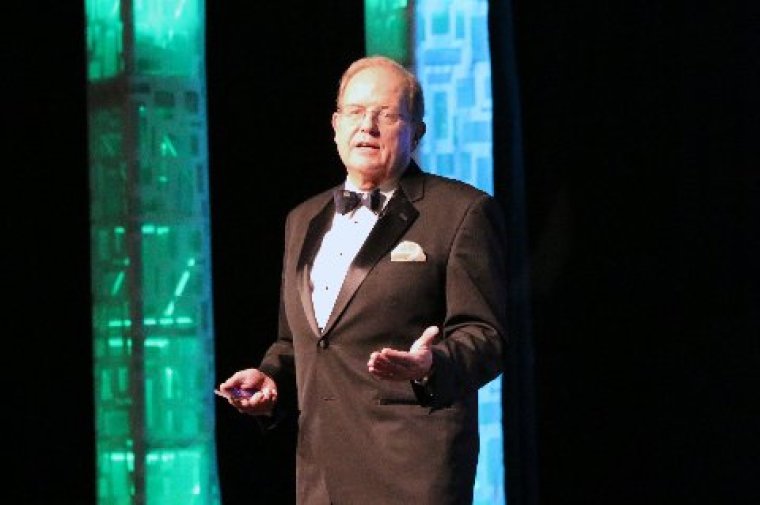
(392, 313)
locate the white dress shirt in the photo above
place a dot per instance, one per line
(339, 247)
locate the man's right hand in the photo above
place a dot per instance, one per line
(263, 400)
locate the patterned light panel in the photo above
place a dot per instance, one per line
(150, 253)
(451, 58)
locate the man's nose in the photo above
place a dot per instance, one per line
(368, 120)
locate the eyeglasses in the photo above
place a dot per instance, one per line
(355, 114)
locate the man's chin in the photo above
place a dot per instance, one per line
(365, 160)
(368, 169)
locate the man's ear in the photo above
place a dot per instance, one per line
(334, 123)
(419, 131)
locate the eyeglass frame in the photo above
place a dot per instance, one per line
(382, 115)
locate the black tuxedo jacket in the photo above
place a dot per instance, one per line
(367, 441)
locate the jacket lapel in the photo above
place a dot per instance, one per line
(395, 219)
(317, 228)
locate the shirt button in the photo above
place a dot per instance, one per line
(323, 343)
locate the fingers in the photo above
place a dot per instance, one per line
(391, 358)
(426, 339)
(250, 378)
(380, 366)
(261, 403)
(242, 379)
(261, 388)
(390, 364)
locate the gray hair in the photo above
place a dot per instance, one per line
(414, 96)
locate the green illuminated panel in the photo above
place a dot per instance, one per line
(168, 37)
(150, 254)
(387, 30)
(104, 39)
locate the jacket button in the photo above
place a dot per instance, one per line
(323, 343)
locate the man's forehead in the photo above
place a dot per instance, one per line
(367, 88)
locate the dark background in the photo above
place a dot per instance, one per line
(640, 125)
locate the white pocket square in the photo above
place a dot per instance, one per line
(408, 251)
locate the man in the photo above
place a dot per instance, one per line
(392, 313)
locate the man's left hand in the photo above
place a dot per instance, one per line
(414, 364)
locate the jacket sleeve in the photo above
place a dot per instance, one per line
(470, 353)
(278, 362)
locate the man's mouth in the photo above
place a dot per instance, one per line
(366, 145)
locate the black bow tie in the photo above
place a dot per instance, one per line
(346, 201)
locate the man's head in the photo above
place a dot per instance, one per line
(378, 122)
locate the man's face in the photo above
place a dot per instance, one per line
(373, 128)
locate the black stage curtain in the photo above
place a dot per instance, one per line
(272, 71)
(640, 186)
(518, 383)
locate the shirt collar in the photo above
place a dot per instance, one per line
(387, 192)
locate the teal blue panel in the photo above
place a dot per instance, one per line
(453, 63)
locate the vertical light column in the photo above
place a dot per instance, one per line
(150, 253)
(387, 29)
(450, 56)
